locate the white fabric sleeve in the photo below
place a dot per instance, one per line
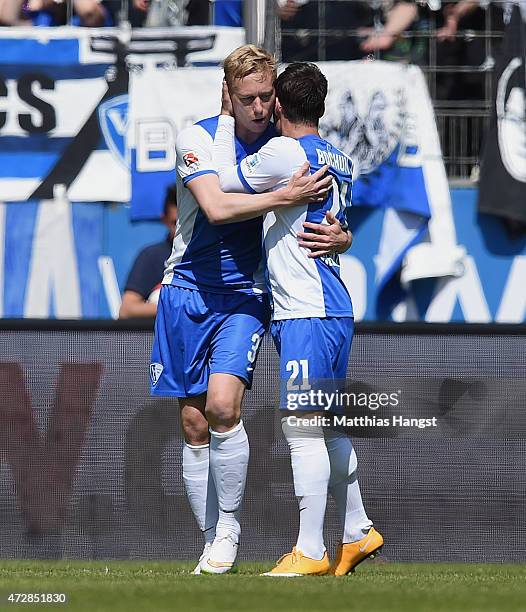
(224, 149)
(224, 156)
(272, 166)
(194, 153)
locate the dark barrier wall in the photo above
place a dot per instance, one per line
(91, 465)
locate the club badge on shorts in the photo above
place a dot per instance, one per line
(156, 369)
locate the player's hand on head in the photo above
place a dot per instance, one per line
(307, 188)
(323, 239)
(226, 102)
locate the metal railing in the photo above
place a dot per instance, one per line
(460, 85)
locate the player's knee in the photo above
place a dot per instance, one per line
(344, 462)
(309, 457)
(353, 466)
(195, 430)
(344, 470)
(221, 413)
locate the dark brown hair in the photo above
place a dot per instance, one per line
(301, 89)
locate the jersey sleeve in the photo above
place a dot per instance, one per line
(224, 156)
(194, 153)
(224, 148)
(272, 165)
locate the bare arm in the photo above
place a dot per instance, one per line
(133, 306)
(90, 12)
(222, 207)
(287, 10)
(399, 18)
(141, 5)
(10, 11)
(453, 14)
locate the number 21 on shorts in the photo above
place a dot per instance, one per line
(299, 377)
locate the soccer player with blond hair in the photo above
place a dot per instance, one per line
(213, 308)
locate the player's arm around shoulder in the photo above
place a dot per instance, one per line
(220, 207)
(197, 170)
(274, 164)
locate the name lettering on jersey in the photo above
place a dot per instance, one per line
(335, 160)
(191, 160)
(331, 259)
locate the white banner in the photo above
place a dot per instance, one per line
(64, 103)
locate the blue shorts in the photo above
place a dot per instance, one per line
(314, 354)
(199, 333)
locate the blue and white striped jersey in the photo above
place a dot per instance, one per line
(213, 258)
(301, 286)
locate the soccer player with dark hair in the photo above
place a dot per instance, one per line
(213, 309)
(313, 320)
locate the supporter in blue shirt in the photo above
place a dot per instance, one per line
(141, 291)
(228, 13)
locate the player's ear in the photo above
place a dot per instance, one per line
(277, 109)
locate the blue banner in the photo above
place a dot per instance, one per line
(72, 261)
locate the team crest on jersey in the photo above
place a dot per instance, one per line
(191, 160)
(252, 163)
(156, 369)
(113, 120)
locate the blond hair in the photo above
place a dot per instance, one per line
(246, 60)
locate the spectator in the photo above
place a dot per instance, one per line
(227, 13)
(387, 40)
(466, 50)
(144, 281)
(173, 12)
(361, 17)
(88, 13)
(453, 14)
(91, 14)
(11, 12)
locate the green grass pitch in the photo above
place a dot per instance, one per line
(135, 586)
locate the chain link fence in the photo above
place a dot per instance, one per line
(459, 65)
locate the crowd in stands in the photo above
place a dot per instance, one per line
(377, 24)
(397, 30)
(101, 13)
(88, 13)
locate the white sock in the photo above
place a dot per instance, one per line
(200, 488)
(311, 471)
(229, 452)
(312, 515)
(344, 486)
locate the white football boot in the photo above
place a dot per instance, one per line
(202, 558)
(222, 556)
